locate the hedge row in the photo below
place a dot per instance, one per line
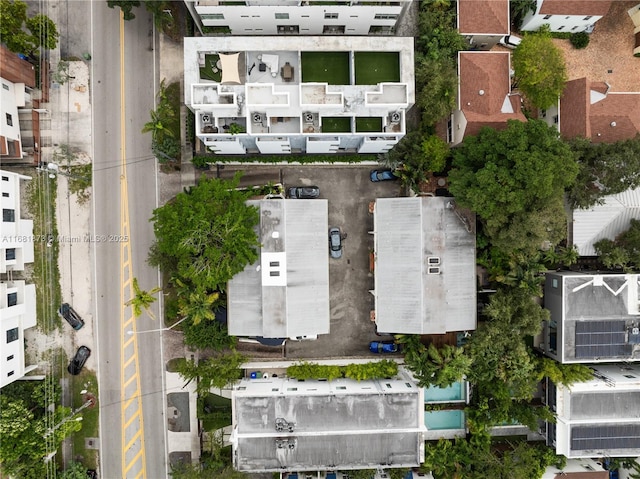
(203, 160)
(359, 372)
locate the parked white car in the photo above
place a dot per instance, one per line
(510, 41)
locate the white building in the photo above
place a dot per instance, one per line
(595, 318)
(599, 417)
(315, 95)
(17, 299)
(425, 273)
(286, 425)
(12, 96)
(17, 313)
(565, 15)
(295, 17)
(605, 221)
(285, 293)
(16, 242)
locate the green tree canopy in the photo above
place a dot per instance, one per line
(539, 69)
(439, 367)
(503, 367)
(205, 235)
(605, 169)
(23, 431)
(23, 34)
(215, 372)
(624, 251)
(517, 175)
(126, 6)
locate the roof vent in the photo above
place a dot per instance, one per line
(481, 92)
(613, 123)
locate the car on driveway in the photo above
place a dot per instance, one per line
(382, 175)
(70, 315)
(510, 41)
(303, 192)
(77, 363)
(384, 347)
(335, 242)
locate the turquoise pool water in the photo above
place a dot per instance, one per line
(454, 393)
(438, 420)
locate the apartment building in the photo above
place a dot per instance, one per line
(269, 95)
(599, 417)
(296, 17)
(285, 425)
(285, 293)
(16, 242)
(17, 299)
(595, 317)
(424, 266)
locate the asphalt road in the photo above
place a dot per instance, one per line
(108, 132)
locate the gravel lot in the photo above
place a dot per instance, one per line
(610, 49)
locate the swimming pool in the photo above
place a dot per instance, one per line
(439, 420)
(457, 392)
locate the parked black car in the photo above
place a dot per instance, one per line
(77, 363)
(70, 315)
(303, 192)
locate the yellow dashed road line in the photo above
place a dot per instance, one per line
(132, 424)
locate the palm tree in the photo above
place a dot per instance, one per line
(198, 305)
(159, 125)
(142, 300)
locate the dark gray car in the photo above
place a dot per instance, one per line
(303, 192)
(335, 242)
(70, 316)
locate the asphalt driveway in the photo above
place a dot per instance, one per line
(349, 192)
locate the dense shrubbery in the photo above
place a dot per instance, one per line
(579, 40)
(359, 372)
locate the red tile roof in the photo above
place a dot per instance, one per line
(613, 118)
(16, 70)
(483, 16)
(583, 475)
(574, 108)
(575, 7)
(485, 84)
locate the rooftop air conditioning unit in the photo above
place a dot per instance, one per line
(206, 119)
(434, 270)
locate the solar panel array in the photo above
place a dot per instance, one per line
(601, 339)
(610, 436)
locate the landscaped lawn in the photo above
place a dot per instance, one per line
(329, 67)
(336, 124)
(215, 412)
(46, 275)
(206, 72)
(375, 67)
(369, 124)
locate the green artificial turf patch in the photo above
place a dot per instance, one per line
(369, 124)
(329, 67)
(375, 67)
(207, 71)
(335, 124)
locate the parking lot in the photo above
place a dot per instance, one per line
(349, 192)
